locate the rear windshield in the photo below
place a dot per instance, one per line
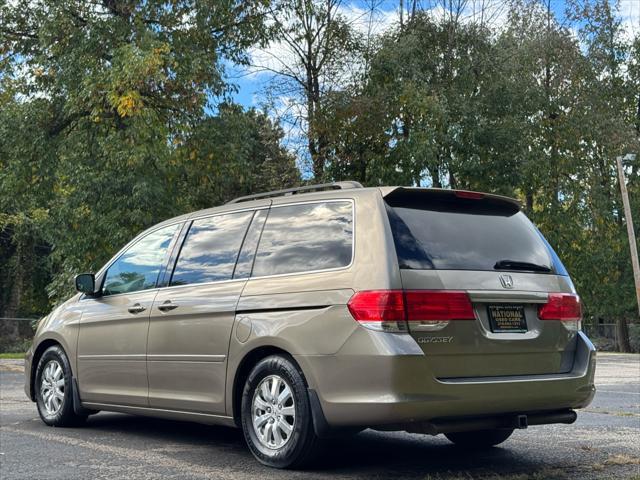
(444, 232)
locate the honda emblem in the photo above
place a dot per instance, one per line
(506, 281)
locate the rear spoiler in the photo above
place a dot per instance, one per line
(392, 193)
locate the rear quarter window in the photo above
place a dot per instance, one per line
(305, 237)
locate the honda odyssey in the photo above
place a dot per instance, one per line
(304, 313)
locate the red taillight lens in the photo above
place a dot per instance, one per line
(468, 194)
(377, 306)
(438, 305)
(388, 310)
(561, 306)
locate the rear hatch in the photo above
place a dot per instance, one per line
(485, 294)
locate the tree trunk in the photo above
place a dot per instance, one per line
(452, 180)
(622, 335)
(10, 330)
(529, 202)
(638, 117)
(435, 177)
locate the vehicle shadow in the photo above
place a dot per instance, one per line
(368, 454)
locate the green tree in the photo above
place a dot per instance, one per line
(25, 187)
(99, 102)
(605, 277)
(231, 154)
(424, 95)
(312, 54)
(530, 110)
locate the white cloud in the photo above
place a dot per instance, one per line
(629, 11)
(279, 56)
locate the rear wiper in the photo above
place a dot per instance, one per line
(517, 265)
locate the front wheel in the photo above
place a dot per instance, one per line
(479, 438)
(53, 390)
(276, 414)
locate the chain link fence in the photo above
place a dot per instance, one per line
(604, 334)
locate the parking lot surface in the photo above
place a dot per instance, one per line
(603, 443)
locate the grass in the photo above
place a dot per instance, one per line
(606, 412)
(19, 356)
(606, 354)
(622, 459)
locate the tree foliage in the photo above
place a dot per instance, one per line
(532, 110)
(317, 52)
(115, 115)
(105, 130)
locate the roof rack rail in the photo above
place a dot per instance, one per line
(298, 190)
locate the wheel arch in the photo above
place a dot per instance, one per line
(37, 354)
(250, 360)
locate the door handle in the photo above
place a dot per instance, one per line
(166, 306)
(136, 308)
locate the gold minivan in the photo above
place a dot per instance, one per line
(305, 313)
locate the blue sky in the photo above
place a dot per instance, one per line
(248, 89)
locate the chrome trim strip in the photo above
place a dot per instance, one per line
(186, 358)
(157, 358)
(545, 377)
(507, 296)
(122, 358)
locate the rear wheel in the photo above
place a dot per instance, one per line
(276, 414)
(479, 438)
(53, 390)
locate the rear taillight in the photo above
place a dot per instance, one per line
(438, 305)
(379, 310)
(565, 307)
(390, 310)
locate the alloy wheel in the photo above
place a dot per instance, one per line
(52, 387)
(273, 412)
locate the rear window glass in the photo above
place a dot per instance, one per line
(305, 237)
(444, 232)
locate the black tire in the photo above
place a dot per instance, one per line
(64, 415)
(302, 445)
(480, 438)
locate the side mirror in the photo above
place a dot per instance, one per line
(86, 283)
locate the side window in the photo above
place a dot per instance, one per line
(305, 237)
(247, 253)
(138, 267)
(210, 251)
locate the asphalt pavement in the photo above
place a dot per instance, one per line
(603, 444)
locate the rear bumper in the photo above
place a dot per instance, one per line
(394, 387)
(509, 421)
